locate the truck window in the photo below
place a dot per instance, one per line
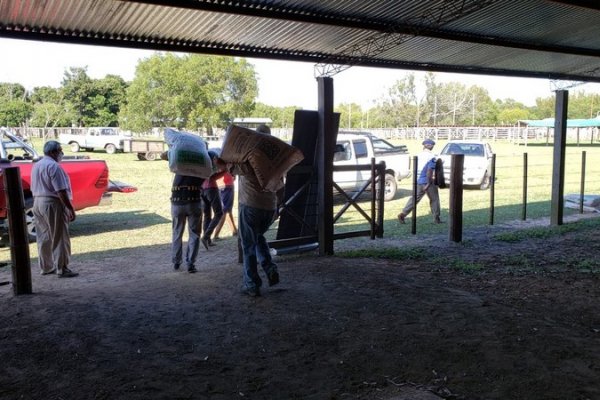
(360, 148)
(346, 151)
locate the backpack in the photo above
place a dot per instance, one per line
(438, 178)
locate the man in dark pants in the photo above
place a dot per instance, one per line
(186, 207)
(212, 207)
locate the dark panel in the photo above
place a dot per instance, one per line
(304, 205)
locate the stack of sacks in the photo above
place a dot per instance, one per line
(188, 154)
(269, 157)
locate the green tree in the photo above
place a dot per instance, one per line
(401, 105)
(191, 91)
(282, 117)
(49, 108)
(14, 106)
(77, 87)
(107, 97)
(350, 115)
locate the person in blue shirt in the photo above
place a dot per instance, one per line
(425, 184)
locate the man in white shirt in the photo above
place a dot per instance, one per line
(53, 211)
(425, 184)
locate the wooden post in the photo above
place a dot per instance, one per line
(415, 176)
(381, 200)
(525, 173)
(582, 185)
(558, 160)
(492, 188)
(19, 241)
(374, 196)
(456, 197)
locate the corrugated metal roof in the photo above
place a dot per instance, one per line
(529, 38)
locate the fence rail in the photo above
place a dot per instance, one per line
(514, 134)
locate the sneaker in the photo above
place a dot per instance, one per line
(192, 269)
(401, 218)
(273, 278)
(67, 273)
(204, 243)
(251, 292)
(176, 266)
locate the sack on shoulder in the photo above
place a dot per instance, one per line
(439, 179)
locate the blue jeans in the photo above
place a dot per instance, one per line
(253, 223)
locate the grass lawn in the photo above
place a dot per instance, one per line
(143, 218)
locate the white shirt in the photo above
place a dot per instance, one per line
(48, 178)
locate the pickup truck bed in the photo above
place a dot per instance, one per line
(146, 149)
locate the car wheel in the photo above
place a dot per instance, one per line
(485, 182)
(30, 225)
(75, 147)
(141, 156)
(111, 148)
(151, 156)
(390, 187)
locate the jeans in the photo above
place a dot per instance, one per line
(192, 214)
(253, 223)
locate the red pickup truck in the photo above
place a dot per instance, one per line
(89, 180)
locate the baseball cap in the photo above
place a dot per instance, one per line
(429, 141)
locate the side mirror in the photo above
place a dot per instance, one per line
(339, 148)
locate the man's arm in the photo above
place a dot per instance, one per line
(63, 195)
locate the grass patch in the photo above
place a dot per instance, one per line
(547, 232)
(143, 219)
(588, 266)
(465, 267)
(416, 253)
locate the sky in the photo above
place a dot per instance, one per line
(281, 83)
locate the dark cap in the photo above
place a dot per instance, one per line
(212, 154)
(430, 142)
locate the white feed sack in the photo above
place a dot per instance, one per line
(188, 154)
(269, 157)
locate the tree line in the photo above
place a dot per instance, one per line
(200, 93)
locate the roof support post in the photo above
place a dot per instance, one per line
(558, 159)
(325, 147)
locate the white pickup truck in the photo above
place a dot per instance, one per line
(109, 139)
(358, 148)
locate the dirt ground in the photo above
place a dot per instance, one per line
(526, 325)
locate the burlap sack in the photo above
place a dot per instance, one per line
(238, 143)
(269, 157)
(188, 154)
